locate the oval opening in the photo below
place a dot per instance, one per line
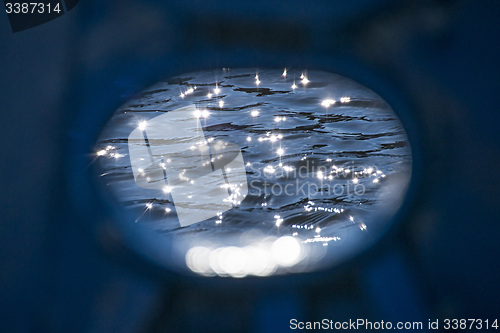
(240, 173)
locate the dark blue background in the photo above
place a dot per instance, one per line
(60, 80)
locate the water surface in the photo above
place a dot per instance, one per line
(327, 160)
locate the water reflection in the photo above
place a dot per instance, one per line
(327, 163)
